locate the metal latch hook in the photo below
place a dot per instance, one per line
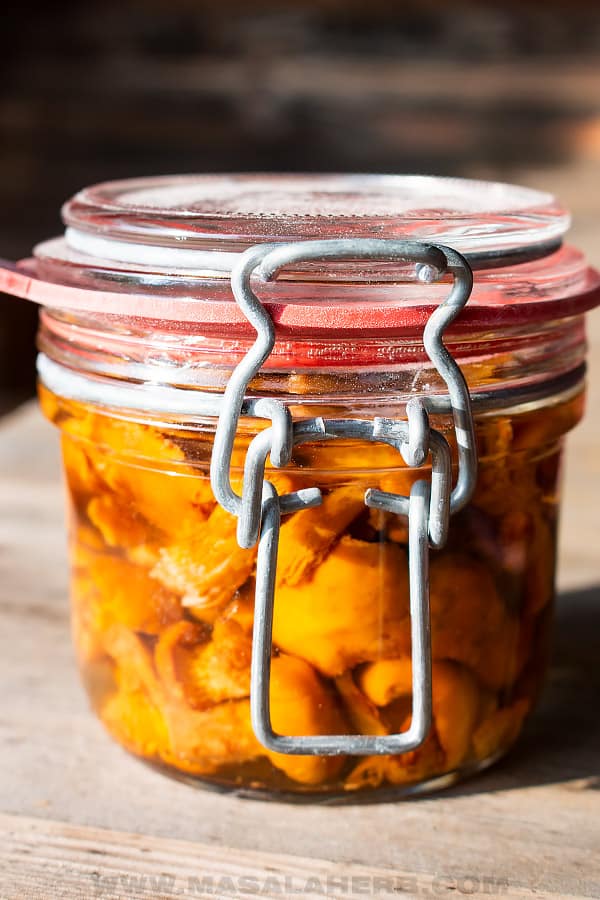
(428, 507)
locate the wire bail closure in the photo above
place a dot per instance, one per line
(428, 508)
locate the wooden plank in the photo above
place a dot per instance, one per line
(83, 862)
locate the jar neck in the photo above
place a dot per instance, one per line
(317, 374)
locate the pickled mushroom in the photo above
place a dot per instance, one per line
(361, 711)
(500, 729)
(417, 765)
(115, 591)
(307, 536)
(353, 609)
(541, 563)
(456, 705)
(136, 722)
(202, 668)
(122, 526)
(145, 467)
(241, 608)
(398, 769)
(470, 623)
(527, 545)
(301, 704)
(456, 700)
(81, 477)
(205, 565)
(172, 682)
(201, 741)
(197, 740)
(369, 772)
(386, 679)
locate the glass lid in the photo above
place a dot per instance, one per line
(163, 249)
(202, 211)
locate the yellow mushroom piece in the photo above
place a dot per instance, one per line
(163, 496)
(456, 706)
(123, 527)
(133, 662)
(158, 721)
(500, 729)
(302, 704)
(528, 549)
(362, 712)
(201, 668)
(202, 741)
(505, 485)
(366, 719)
(400, 769)
(455, 698)
(307, 536)
(369, 718)
(470, 623)
(140, 463)
(369, 772)
(146, 721)
(386, 680)
(136, 722)
(541, 563)
(353, 609)
(81, 477)
(205, 563)
(109, 590)
(134, 712)
(536, 429)
(418, 765)
(241, 608)
(84, 540)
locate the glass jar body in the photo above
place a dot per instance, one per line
(329, 290)
(163, 599)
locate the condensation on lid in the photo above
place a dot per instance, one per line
(207, 210)
(311, 195)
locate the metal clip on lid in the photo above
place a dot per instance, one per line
(428, 507)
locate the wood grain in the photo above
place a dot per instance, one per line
(83, 862)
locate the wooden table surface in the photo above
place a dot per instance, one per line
(80, 818)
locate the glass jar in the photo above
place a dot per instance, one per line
(266, 593)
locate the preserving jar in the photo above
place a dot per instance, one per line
(312, 431)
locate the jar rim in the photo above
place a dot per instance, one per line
(202, 211)
(345, 298)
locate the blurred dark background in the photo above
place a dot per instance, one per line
(98, 90)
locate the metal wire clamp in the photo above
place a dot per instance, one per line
(428, 508)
